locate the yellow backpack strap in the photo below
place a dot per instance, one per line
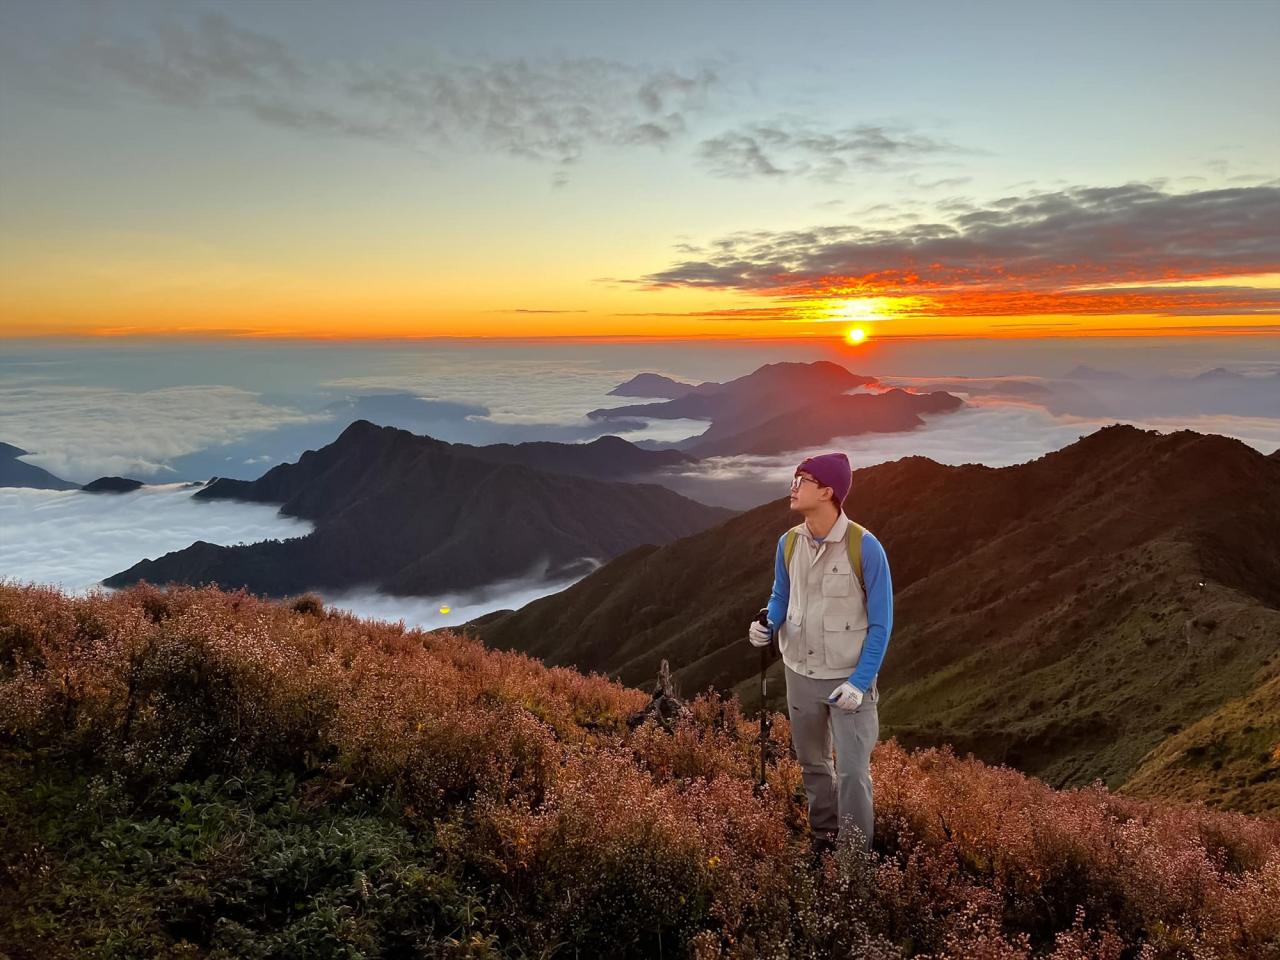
(788, 548)
(854, 539)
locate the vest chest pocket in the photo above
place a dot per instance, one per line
(837, 577)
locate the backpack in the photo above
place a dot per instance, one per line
(853, 540)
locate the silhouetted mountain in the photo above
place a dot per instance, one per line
(784, 406)
(605, 458)
(653, 385)
(1219, 373)
(1047, 614)
(112, 485)
(16, 473)
(750, 399)
(839, 416)
(410, 516)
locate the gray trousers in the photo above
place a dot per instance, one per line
(840, 792)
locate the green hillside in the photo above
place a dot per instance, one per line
(1048, 615)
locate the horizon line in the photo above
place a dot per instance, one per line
(1103, 333)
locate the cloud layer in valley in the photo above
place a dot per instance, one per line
(426, 612)
(88, 418)
(994, 432)
(81, 433)
(1024, 400)
(82, 422)
(74, 539)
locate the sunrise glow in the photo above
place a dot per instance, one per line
(531, 193)
(855, 335)
(864, 308)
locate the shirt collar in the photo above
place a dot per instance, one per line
(835, 534)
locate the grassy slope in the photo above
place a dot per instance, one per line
(1231, 757)
(1041, 610)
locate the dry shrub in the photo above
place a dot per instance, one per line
(310, 604)
(614, 841)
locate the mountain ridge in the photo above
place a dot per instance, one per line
(1035, 605)
(785, 406)
(407, 515)
(18, 473)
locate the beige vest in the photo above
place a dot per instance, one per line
(827, 609)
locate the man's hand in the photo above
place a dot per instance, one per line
(759, 634)
(846, 696)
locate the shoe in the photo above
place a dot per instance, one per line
(822, 844)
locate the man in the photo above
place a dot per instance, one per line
(832, 634)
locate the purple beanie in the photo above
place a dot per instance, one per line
(831, 470)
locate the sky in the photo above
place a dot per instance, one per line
(257, 171)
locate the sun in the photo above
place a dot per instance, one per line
(863, 313)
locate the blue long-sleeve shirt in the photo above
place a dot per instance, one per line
(879, 587)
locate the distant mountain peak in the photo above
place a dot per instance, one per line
(785, 405)
(610, 441)
(1220, 373)
(360, 432)
(19, 473)
(358, 429)
(652, 385)
(112, 485)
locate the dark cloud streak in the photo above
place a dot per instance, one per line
(1079, 250)
(546, 110)
(794, 149)
(550, 110)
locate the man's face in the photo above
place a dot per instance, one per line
(806, 494)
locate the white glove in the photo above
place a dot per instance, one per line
(846, 696)
(759, 634)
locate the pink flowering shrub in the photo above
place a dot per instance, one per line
(583, 834)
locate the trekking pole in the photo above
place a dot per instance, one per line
(765, 655)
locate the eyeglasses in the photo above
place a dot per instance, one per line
(796, 481)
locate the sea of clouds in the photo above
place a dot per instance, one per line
(74, 539)
(174, 415)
